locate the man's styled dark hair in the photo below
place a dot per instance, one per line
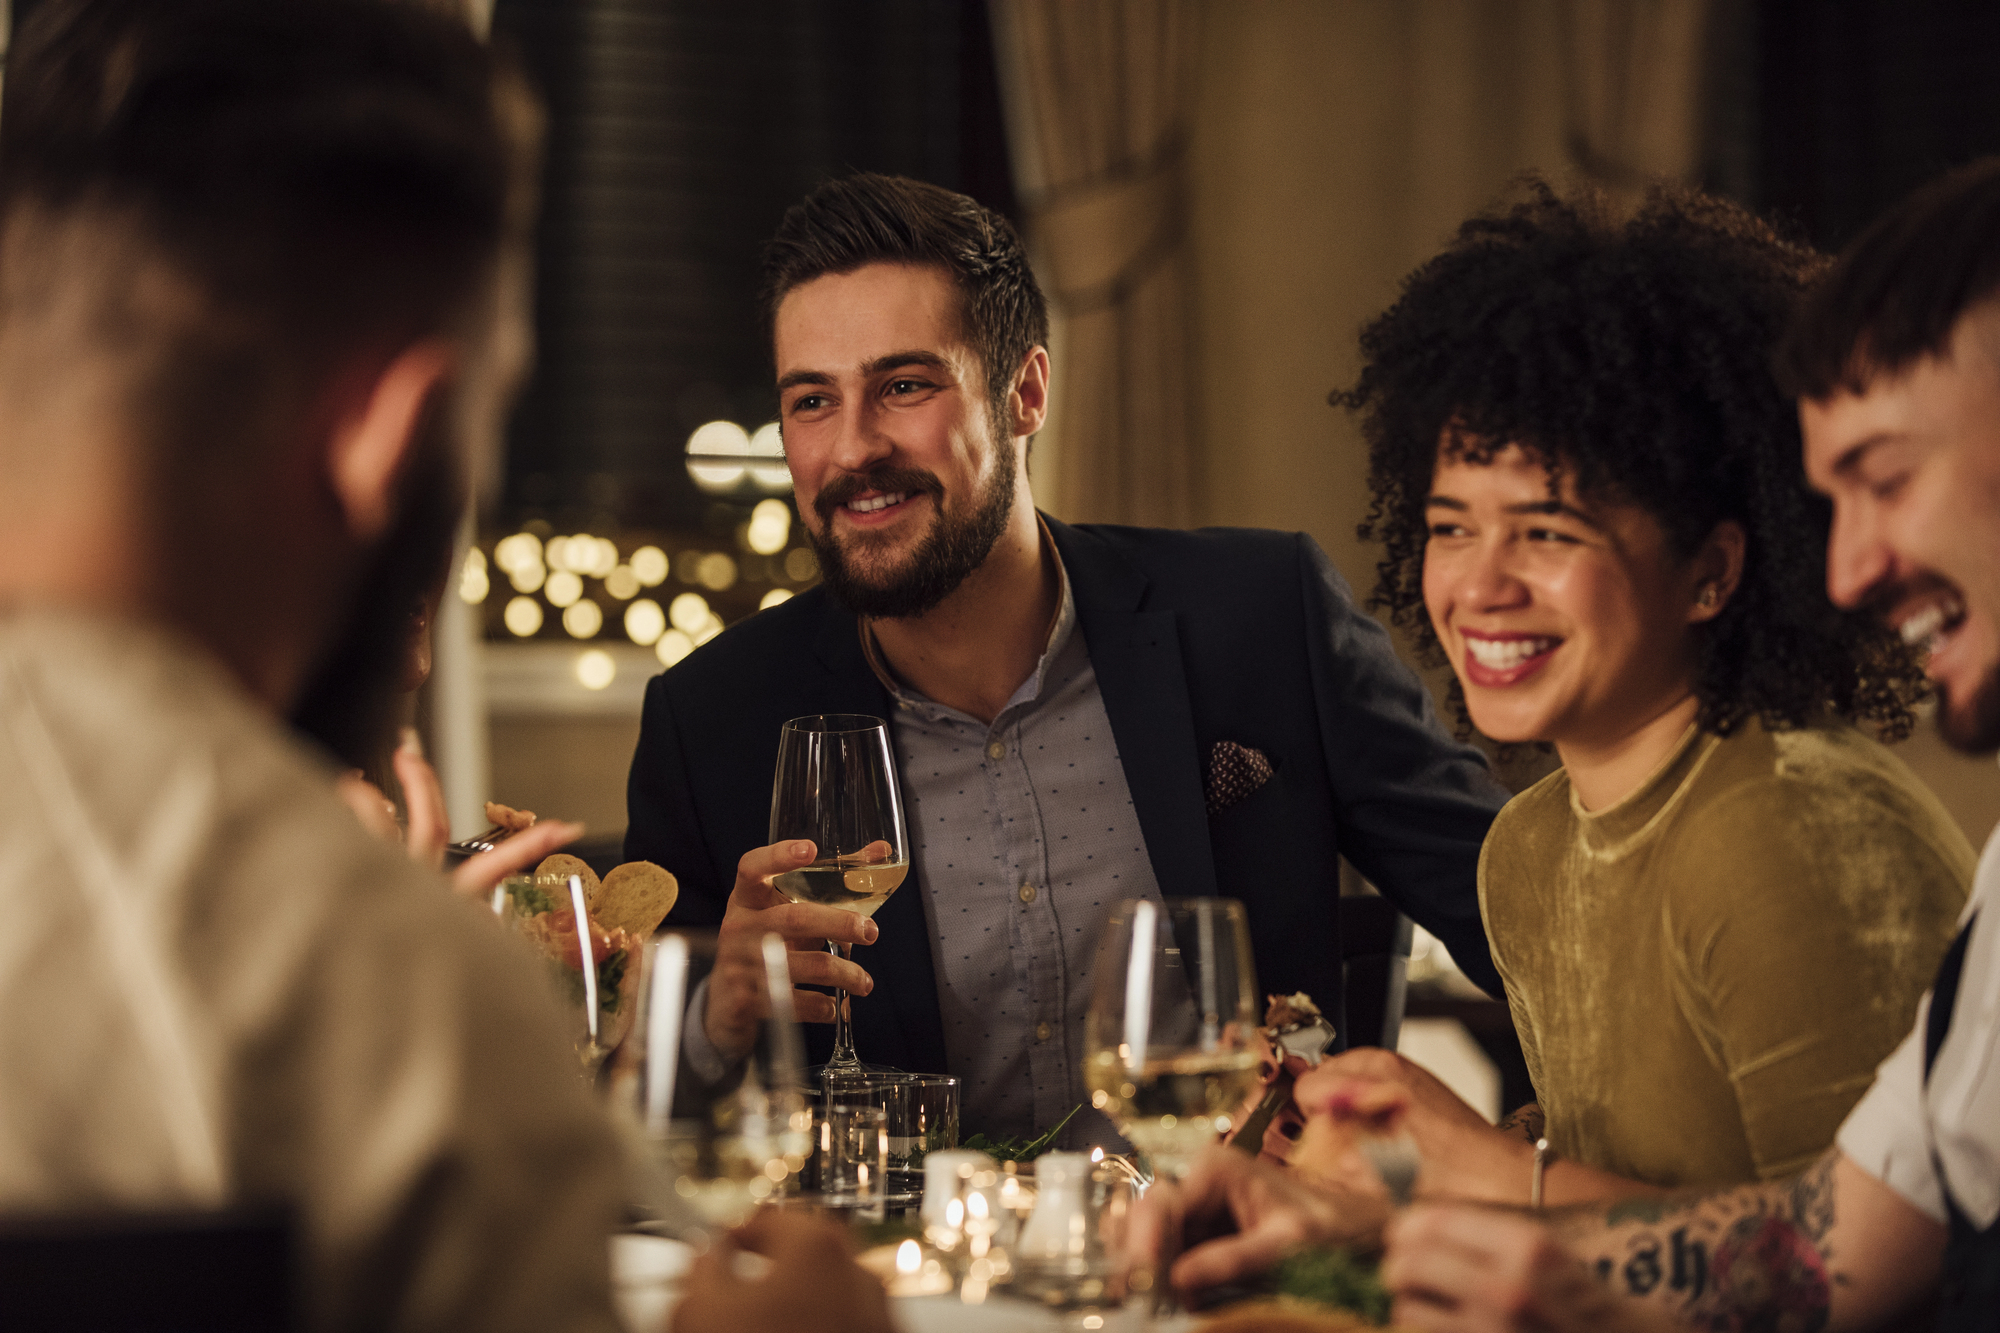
(300, 177)
(1899, 290)
(1632, 356)
(871, 219)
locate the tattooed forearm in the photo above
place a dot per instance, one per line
(1747, 1259)
(1526, 1122)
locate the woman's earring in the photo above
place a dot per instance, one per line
(1707, 599)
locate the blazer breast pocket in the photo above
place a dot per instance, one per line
(1232, 774)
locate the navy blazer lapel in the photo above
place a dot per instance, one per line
(1136, 655)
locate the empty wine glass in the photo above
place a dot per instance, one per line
(1168, 1043)
(836, 788)
(712, 1151)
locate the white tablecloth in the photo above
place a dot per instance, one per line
(646, 1272)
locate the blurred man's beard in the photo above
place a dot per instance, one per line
(956, 544)
(1974, 726)
(354, 699)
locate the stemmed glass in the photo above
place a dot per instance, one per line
(1169, 1043)
(836, 788)
(595, 970)
(711, 1152)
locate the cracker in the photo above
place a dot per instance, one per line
(636, 897)
(562, 866)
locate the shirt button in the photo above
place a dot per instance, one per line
(1042, 1030)
(1027, 893)
(997, 750)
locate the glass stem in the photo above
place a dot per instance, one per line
(843, 1056)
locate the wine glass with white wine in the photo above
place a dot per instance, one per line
(836, 788)
(1169, 1050)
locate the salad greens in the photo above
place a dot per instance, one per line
(1337, 1278)
(1010, 1149)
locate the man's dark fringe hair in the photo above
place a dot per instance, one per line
(865, 219)
(1634, 357)
(1900, 289)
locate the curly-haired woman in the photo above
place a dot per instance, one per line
(1718, 916)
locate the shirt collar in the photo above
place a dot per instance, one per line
(1061, 628)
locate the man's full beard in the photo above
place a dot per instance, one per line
(955, 546)
(353, 699)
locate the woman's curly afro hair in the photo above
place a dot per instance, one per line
(1632, 356)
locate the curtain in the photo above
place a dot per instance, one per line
(1098, 96)
(1635, 78)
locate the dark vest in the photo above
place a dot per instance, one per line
(1969, 1294)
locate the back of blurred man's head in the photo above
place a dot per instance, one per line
(211, 211)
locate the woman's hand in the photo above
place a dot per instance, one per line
(1369, 1090)
(1233, 1216)
(1479, 1270)
(813, 1282)
(428, 832)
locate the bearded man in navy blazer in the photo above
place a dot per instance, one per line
(1080, 715)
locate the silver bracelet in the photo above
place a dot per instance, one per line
(1542, 1158)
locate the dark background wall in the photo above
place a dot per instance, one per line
(680, 131)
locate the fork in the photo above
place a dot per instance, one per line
(466, 848)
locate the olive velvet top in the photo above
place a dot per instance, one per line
(1705, 974)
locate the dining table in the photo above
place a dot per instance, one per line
(646, 1272)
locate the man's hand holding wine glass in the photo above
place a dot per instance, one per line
(736, 993)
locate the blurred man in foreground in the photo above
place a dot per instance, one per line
(261, 276)
(1896, 362)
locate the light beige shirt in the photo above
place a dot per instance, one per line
(216, 990)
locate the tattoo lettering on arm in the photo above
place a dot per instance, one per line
(1745, 1260)
(1526, 1123)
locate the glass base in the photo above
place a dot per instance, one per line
(823, 1074)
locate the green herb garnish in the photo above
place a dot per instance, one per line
(529, 900)
(1010, 1149)
(1336, 1278)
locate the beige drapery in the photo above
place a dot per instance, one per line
(1099, 97)
(1634, 72)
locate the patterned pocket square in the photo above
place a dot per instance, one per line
(1234, 771)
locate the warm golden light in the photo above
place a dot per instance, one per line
(649, 566)
(622, 583)
(717, 572)
(583, 620)
(520, 551)
(767, 466)
(672, 647)
(774, 598)
(770, 527)
(473, 584)
(717, 455)
(595, 669)
(563, 588)
(528, 577)
(523, 617)
(800, 564)
(645, 622)
(595, 556)
(688, 612)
